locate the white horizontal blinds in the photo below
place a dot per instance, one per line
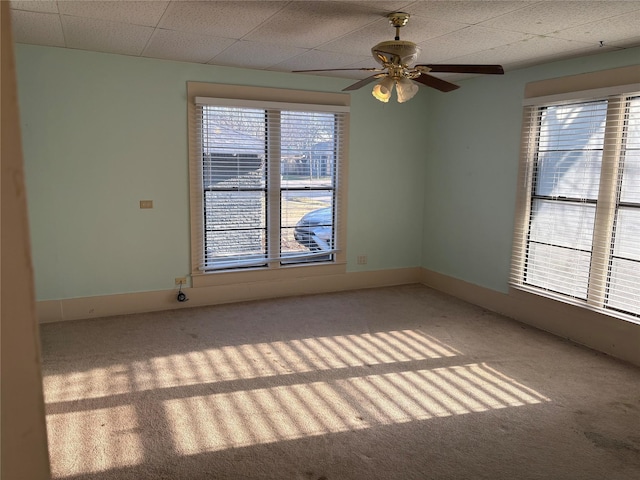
(623, 292)
(263, 170)
(310, 156)
(578, 226)
(565, 186)
(234, 168)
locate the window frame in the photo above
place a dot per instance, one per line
(265, 96)
(569, 90)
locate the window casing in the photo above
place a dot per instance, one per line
(577, 235)
(258, 167)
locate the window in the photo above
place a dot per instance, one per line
(578, 234)
(268, 176)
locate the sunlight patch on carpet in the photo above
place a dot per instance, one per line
(211, 399)
(94, 440)
(239, 419)
(246, 362)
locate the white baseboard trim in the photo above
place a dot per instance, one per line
(610, 335)
(140, 302)
(613, 336)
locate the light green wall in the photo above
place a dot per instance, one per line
(471, 160)
(431, 182)
(101, 132)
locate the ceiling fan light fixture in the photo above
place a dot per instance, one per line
(406, 89)
(382, 90)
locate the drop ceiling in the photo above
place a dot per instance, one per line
(294, 35)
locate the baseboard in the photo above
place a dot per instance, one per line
(140, 302)
(610, 335)
(613, 336)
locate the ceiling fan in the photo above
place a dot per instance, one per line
(396, 57)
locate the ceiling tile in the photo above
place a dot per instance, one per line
(466, 41)
(222, 19)
(42, 6)
(309, 24)
(388, 6)
(470, 13)
(609, 30)
(37, 28)
(420, 29)
(417, 30)
(521, 53)
(625, 43)
(137, 13)
(104, 36)
(183, 46)
(361, 40)
(255, 54)
(549, 17)
(278, 35)
(629, 42)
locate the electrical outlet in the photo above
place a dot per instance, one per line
(181, 280)
(362, 259)
(146, 203)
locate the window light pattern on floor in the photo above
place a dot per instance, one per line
(234, 396)
(230, 420)
(246, 362)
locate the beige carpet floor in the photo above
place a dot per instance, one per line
(392, 383)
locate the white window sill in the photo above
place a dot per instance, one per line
(251, 275)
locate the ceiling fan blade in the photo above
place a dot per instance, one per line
(482, 69)
(364, 69)
(436, 83)
(361, 83)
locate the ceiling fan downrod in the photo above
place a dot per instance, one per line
(398, 20)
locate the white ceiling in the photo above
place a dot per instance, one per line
(295, 35)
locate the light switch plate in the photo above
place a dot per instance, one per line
(146, 203)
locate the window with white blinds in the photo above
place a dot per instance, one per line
(269, 177)
(577, 233)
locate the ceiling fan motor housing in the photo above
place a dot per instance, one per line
(396, 52)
